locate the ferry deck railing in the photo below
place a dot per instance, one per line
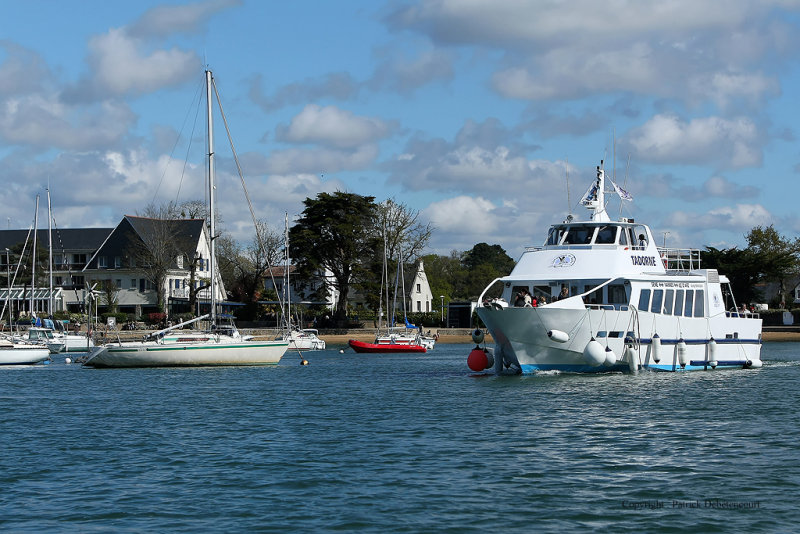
(680, 259)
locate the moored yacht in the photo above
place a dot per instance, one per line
(614, 301)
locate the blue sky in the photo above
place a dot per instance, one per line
(470, 112)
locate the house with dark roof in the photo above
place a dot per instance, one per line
(117, 262)
(142, 250)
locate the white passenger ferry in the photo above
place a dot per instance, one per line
(614, 301)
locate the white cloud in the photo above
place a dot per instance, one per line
(167, 20)
(333, 127)
(42, 120)
(728, 143)
(738, 217)
(462, 214)
(122, 65)
(320, 160)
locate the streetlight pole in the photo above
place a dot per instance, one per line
(442, 308)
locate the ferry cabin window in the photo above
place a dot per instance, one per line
(687, 310)
(699, 303)
(606, 235)
(669, 296)
(679, 302)
(658, 297)
(616, 294)
(644, 300)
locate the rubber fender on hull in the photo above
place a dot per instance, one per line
(594, 353)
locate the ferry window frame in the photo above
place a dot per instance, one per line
(677, 308)
(669, 300)
(699, 303)
(624, 236)
(689, 305)
(644, 299)
(657, 301)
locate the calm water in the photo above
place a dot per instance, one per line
(402, 443)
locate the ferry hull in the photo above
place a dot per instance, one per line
(524, 346)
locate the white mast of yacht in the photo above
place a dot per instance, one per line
(211, 188)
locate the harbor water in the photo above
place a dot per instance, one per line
(399, 443)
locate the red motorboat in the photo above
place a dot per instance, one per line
(361, 346)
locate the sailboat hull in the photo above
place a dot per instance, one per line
(187, 355)
(23, 356)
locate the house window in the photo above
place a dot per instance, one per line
(102, 263)
(78, 259)
(179, 261)
(117, 262)
(77, 282)
(118, 283)
(133, 283)
(419, 305)
(419, 288)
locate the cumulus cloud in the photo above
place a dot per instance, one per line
(726, 143)
(334, 85)
(403, 75)
(41, 120)
(471, 215)
(332, 126)
(320, 160)
(558, 50)
(123, 65)
(23, 71)
(161, 21)
(738, 217)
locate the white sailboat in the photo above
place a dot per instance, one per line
(15, 351)
(298, 339)
(221, 345)
(614, 301)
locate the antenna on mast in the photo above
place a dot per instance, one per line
(566, 169)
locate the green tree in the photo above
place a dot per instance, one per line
(778, 258)
(483, 263)
(335, 233)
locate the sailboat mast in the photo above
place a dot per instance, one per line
(33, 253)
(287, 291)
(50, 260)
(211, 187)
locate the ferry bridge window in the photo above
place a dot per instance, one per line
(606, 235)
(687, 310)
(699, 303)
(579, 235)
(644, 300)
(668, 298)
(624, 237)
(555, 235)
(658, 297)
(679, 302)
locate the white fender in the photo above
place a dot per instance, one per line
(683, 356)
(712, 353)
(610, 357)
(594, 353)
(755, 363)
(656, 348)
(632, 358)
(558, 335)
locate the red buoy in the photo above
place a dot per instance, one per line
(478, 360)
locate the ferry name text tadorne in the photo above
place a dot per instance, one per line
(644, 260)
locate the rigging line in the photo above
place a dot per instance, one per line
(235, 156)
(189, 146)
(155, 194)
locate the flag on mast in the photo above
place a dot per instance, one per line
(624, 195)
